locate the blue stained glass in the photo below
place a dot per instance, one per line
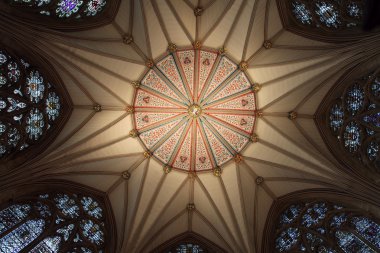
(12, 216)
(22, 236)
(3, 150)
(66, 8)
(368, 229)
(52, 106)
(94, 7)
(3, 104)
(336, 117)
(92, 232)
(328, 15)
(42, 2)
(314, 214)
(375, 87)
(372, 150)
(15, 105)
(13, 72)
(35, 123)
(349, 243)
(3, 80)
(287, 239)
(67, 205)
(3, 58)
(35, 87)
(13, 136)
(338, 220)
(354, 10)
(81, 250)
(302, 13)
(373, 119)
(66, 231)
(290, 214)
(43, 209)
(355, 99)
(189, 248)
(48, 245)
(316, 244)
(91, 207)
(352, 137)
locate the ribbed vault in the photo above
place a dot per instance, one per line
(99, 68)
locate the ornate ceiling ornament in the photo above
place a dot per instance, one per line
(292, 115)
(97, 108)
(195, 110)
(267, 44)
(126, 175)
(127, 39)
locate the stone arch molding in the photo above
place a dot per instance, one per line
(63, 15)
(322, 220)
(34, 104)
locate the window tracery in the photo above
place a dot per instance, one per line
(62, 14)
(355, 120)
(321, 19)
(62, 8)
(187, 247)
(188, 242)
(53, 222)
(31, 106)
(323, 226)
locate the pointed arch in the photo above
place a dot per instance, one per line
(328, 20)
(191, 241)
(348, 120)
(322, 220)
(67, 15)
(34, 104)
(56, 216)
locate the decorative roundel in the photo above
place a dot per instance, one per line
(195, 109)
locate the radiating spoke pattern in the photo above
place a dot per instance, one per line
(195, 109)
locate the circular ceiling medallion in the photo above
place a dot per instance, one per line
(194, 110)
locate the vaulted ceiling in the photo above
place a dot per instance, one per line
(95, 148)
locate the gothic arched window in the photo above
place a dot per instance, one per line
(189, 242)
(349, 120)
(54, 221)
(63, 14)
(33, 104)
(323, 226)
(327, 20)
(187, 247)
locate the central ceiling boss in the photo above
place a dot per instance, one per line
(194, 110)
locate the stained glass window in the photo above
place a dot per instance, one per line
(30, 105)
(326, 20)
(328, 14)
(63, 9)
(354, 119)
(54, 222)
(187, 248)
(326, 227)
